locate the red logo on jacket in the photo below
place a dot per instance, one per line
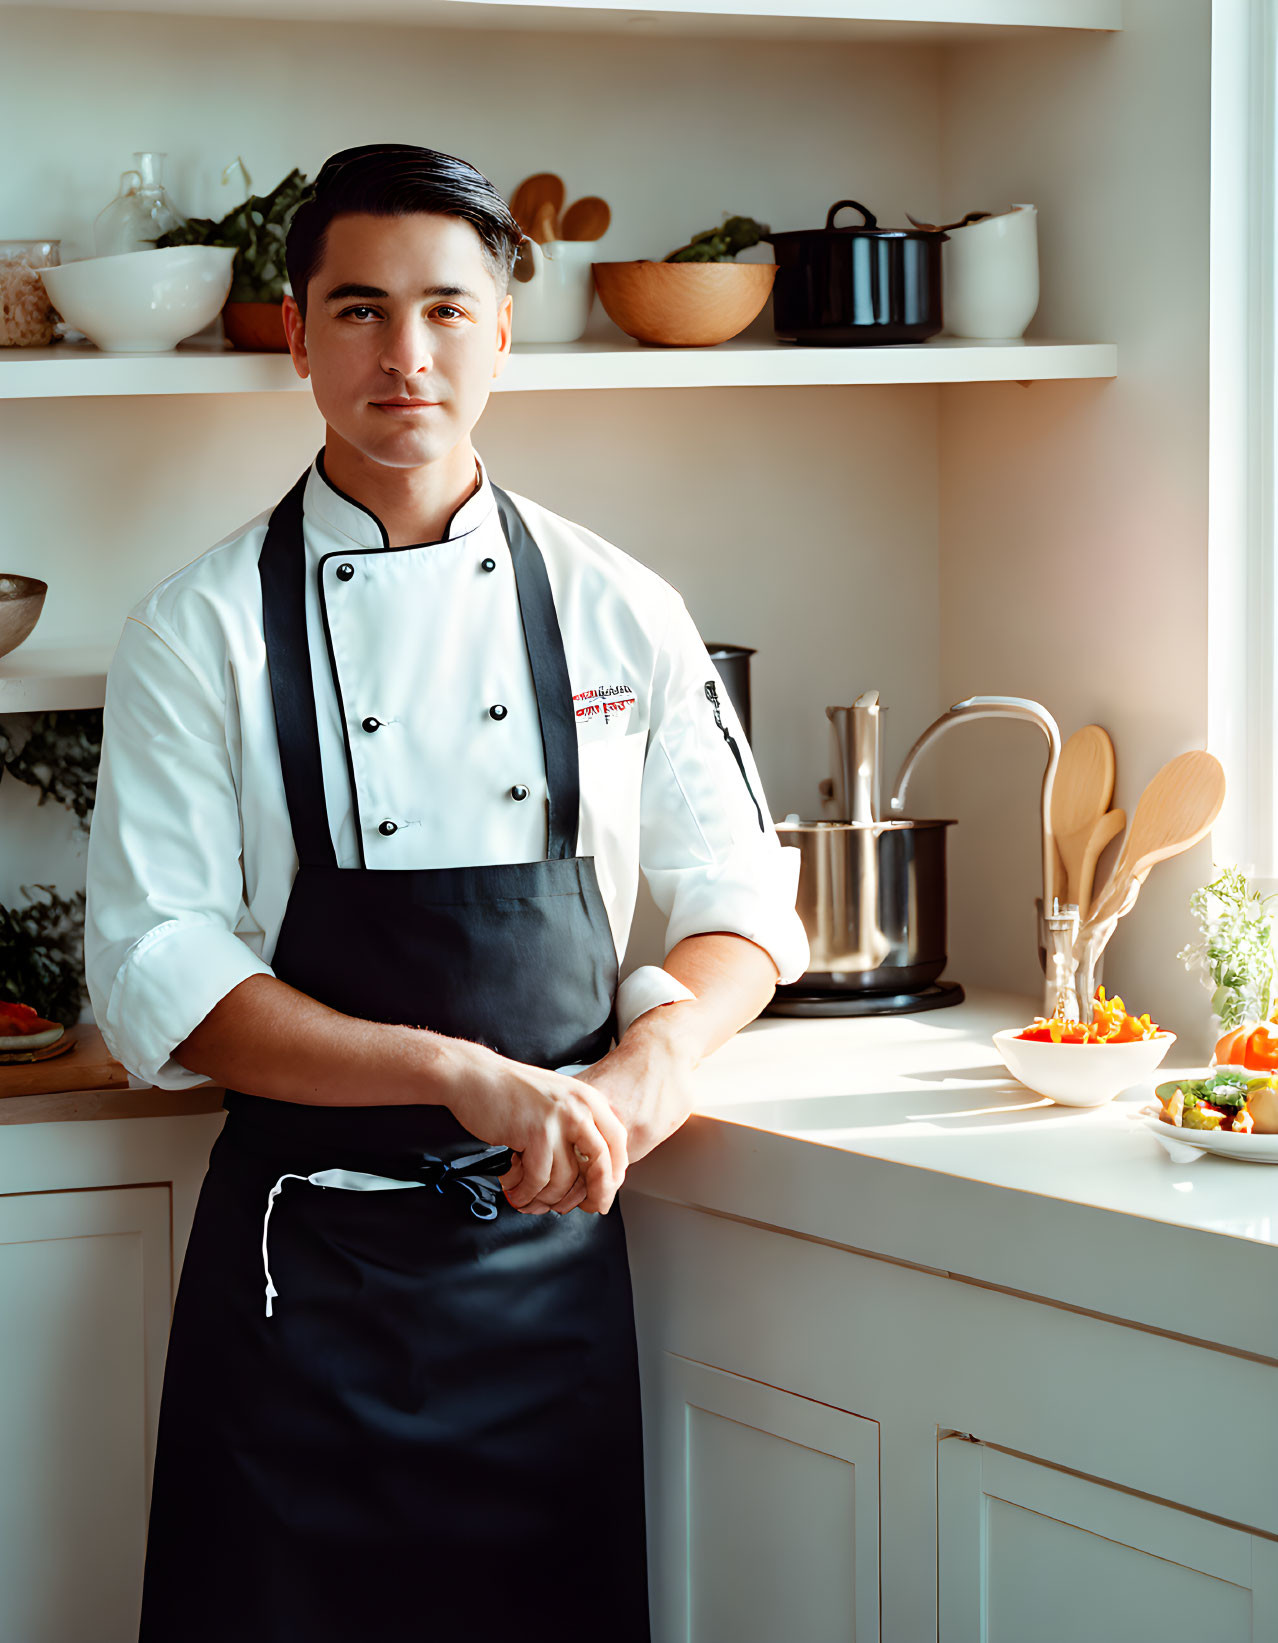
(606, 702)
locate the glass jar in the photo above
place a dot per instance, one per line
(140, 213)
(27, 317)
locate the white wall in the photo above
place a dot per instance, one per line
(1074, 516)
(799, 521)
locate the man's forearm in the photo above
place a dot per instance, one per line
(733, 980)
(268, 1039)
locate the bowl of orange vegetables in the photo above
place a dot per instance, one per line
(1085, 1063)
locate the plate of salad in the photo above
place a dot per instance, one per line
(1228, 1111)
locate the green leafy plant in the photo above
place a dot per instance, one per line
(1234, 952)
(58, 753)
(258, 230)
(721, 244)
(42, 954)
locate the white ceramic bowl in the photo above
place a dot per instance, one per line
(1080, 1075)
(142, 302)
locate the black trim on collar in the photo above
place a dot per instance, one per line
(405, 546)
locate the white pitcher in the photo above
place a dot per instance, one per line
(553, 290)
(990, 276)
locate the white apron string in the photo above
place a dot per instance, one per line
(480, 1186)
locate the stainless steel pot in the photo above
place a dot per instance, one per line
(872, 900)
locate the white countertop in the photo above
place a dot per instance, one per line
(905, 1137)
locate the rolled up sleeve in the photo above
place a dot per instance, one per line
(708, 849)
(165, 890)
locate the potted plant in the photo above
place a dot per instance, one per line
(1234, 954)
(253, 315)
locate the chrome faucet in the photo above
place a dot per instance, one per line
(996, 707)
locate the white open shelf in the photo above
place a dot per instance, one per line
(35, 678)
(70, 369)
(778, 19)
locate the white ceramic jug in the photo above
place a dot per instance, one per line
(990, 276)
(553, 289)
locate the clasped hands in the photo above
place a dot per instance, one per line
(646, 1083)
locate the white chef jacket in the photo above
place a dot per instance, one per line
(191, 855)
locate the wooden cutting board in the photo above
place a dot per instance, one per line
(86, 1066)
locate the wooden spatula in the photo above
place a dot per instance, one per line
(1174, 812)
(1081, 793)
(586, 219)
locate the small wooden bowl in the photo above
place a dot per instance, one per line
(683, 304)
(21, 601)
(256, 326)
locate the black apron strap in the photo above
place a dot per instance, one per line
(550, 680)
(282, 569)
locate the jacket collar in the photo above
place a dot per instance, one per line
(325, 504)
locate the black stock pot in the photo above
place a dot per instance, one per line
(845, 287)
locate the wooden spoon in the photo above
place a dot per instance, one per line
(1110, 825)
(1174, 812)
(1081, 794)
(544, 188)
(586, 219)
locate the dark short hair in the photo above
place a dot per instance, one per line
(393, 180)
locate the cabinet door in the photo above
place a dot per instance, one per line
(1026, 1551)
(764, 1520)
(85, 1292)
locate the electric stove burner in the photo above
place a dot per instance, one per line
(791, 1001)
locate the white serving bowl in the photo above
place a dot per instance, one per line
(1080, 1075)
(142, 302)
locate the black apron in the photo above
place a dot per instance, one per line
(416, 1416)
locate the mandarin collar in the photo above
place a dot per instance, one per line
(322, 501)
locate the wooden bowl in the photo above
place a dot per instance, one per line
(257, 326)
(683, 304)
(21, 601)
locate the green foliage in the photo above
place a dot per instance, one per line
(258, 229)
(721, 244)
(58, 753)
(42, 954)
(1234, 952)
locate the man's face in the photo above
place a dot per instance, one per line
(401, 308)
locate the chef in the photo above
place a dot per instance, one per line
(380, 772)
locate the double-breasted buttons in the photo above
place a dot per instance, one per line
(519, 791)
(488, 564)
(388, 827)
(497, 711)
(370, 724)
(345, 572)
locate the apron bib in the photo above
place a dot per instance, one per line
(414, 1414)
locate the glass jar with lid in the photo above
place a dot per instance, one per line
(27, 318)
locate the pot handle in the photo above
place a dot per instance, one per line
(871, 221)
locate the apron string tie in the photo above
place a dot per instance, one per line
(482, 1188)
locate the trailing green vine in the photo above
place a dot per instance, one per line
(57, 753)
(42, 953)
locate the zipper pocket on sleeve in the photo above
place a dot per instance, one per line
(712, 696)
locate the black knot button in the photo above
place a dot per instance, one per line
(370, 724)
(488, 564)
(497, 711)
(519, 791)
(388, 827)
(345, 572)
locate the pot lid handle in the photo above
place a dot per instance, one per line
(871, 221)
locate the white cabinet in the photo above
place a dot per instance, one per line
(85, 1292)
(1027, 1551)
(764, 1522)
